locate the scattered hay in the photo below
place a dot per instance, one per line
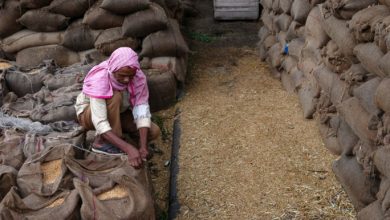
(51, 171)
(56, 203)
(117, 192)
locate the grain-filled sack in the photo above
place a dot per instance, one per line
(25, 38)
(174, 64)
(33, 4)
(18, 107)
(300, 10)
(266, 3)
(7, 179)
(285, 5)
(308, 94)
(357, 118)
(162, 89)
(371, 212)
(338, 31)
(295, 47)
(384, 2)
(382, 33)
(275, 55)
(363, 22)
(334, 59)
(145, 22)
(355, 74)
(64, 205)
(369, 55)
(295, 30)
(384, 64)
(346, 138)
(111, 39)
(329, 138)
(33, 56)
(366, 95)
(359, 187)
(267, 17)
(22, 83)
(41, 20)
(381, 160)
(345, 9)
(72, 9)
(283, 22)
(11, 153)
(57, 81)
(382, 95)
(263, 33)
(79, 37)
(297, 77)
(287, 83)
(168, 42)
(364, 153)
(289, 63)
(124, 6)
(99, 18)
(276, 6)
(9, 13)
(44, 173)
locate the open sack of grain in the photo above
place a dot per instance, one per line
(341, 77)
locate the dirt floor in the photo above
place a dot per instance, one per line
(246, 150)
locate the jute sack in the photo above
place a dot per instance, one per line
(34, 56)
(385, 2)
(125, 7)
(168, 42)
(329, 137)
(173, 64)
(307, 94)
(345, 9)
(162, 89)
(41, 20)
(287, 82)
(369, 55)
(355, 74)
(33, 4)
(285, 5)
(295, 30)
(72, 9)
(334, 59)
(384, 64)
(364, 153)
(64, 205)
(276, 6)
(22, 83)
(80, 69)
(381, 161)
(383, 188)
(338, 31)
(25, 38)
(283, 22)
(297, 77)
(331, 84)
(381, 33)
(79, 37)
(7, 179)
(111, 39)
(263, 33)
(92, 56)
(382, 95)
(357, 118)
(44, 173)
(266, 4)
(99, 18)
(18, 107)
(363, 22)
(275, 55)
(360, 188)
(346, 138)
(366, 95)
(295, 48)
(145, 22)
(300, 9)
(289, 63)
(314, 29)
(54, 82)
(267, 17)
(11, 153)
(9, 13)
(371, 212)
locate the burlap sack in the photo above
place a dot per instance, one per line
(381, 161)
(384, 2)
(360, 188)
(285, 5)
(79, 37)
(276, 6)
(384, 64)
(297, 77)
(371, 212)
(173, 64)
(369, 55)
(34, 56)
(381, 33)
(287, 82)
(345, 9)
(111, 39)
(334, 59)
(267, 4)
(338, 31)
(300, 9)
(44, 173)
(289, 63)
(308, 94)
(7, 179)
(263, 33)
(364, 153)
(267, 17)
(64, 205)
(283, 22)
(169, 42)
(8, 15)
(72, 9)
(92, 56)
(41, 20)
(355, 75)
(145, 22)
(11, 153)
(366, 95)
(275, 55)
(25, 38)
(162, 89)
(346, 138)
(99, 18)
(329, 137)
(364, 21)
(357, 118)
(382, 95)
(22, 83)
(125, 7)
(295, 47)
(295, 30)
(18, 107)
(54, 82)
(33, 4)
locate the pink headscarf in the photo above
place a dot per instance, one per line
(100, 82)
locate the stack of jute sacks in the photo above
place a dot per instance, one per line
(335, 55)
(69, 32)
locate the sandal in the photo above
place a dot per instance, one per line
(107, 149)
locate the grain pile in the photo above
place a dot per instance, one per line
(56, 203)
(116, 192)
(51, 171)
(334, 56)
